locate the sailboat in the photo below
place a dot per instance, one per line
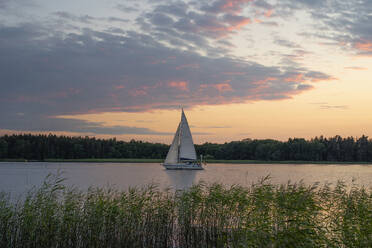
(181, 154)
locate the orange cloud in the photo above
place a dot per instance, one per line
(239, 24)
(268, 13)
(364, 46)
(181, 85)
(223, 30)
(257, 20)
(358, 68)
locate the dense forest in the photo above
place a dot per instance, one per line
(40, 147)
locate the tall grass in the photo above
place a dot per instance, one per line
(205, 215)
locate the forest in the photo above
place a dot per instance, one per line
(41, 147)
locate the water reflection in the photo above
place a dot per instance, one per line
(181, 179)
(19, 177)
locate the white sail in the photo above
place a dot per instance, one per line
(172, 156)
(187, 149)
(181, 154)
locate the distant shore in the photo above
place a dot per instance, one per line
(140, 160)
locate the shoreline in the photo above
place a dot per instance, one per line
(210, 161)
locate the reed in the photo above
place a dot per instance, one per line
(205, 215)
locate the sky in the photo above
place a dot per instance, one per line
(239, 68)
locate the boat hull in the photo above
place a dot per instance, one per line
(181, 166)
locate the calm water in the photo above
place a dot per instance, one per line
(17, 178)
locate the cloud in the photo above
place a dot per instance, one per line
(340, 107)
(327, 106)
(345, 23)
(196, 26)
(6, 5)
(127, 9)
(365, 46)
(226, 6)
(269, 23)
(93, 72)
(81, 72)
(286, 43)
(263, 4)
(217, 127)
(180, 85)
(39, 123)
(71, 17)
(178, 55)
(356, 68)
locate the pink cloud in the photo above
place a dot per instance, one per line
(119, 87)
(264, 81)
(181, 85)
(138, 92)
(263, 92)
(295, 78)
(221, 87)
(314, 80)
(143, 90)
(233, 6)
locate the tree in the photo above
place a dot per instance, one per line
(3, 149)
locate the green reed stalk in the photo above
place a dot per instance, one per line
(205, 215)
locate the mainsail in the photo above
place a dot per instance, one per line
(182, 147)
(187, 149)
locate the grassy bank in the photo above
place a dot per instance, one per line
(281, 162)
(108, 160)
(143, 160)
(262, 215)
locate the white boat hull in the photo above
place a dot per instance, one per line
(183, 166)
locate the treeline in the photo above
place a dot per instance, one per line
(40, 147)
(297, 149)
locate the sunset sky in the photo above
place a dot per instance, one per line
(240, 68)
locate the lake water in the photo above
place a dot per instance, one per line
(17, 178)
